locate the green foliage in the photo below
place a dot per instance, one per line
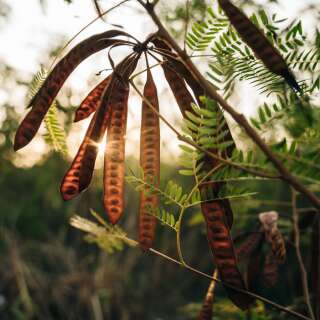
(108, 237)
(232, 60)
(55, 134)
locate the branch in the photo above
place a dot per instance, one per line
(238, 117)
(99, 231)
(304, 276)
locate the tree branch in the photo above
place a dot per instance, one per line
(304, 276)
(238, 117)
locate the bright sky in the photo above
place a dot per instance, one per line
(31, 32)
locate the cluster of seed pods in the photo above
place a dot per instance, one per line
(107, 103)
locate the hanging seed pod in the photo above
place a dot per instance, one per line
(175, 73)
(253, 271)
(273, 234)
(217, 214)
(221, 245)
(179, 89)
(206, 312)
(149, 162)
(270, 271)
(102, 116)
(42, 101)
(250, 245)
(258, 42)
(79, 175)
(90, 103)
(70, 185)
(114, 159)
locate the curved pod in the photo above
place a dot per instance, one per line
(42, 101)
(91, 102)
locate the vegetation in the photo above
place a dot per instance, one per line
(230, 170)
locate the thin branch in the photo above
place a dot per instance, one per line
(304, 276)
(94, 229)
(84, 28)
(238, 117)
(251, 294)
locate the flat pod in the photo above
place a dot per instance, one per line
(114, 158)
(91, 102)
(179, 89)
(270, 271)
(70, 185)
(176, 73)
(250, 245)
(258, 42)
(42, 101)
(149, 162)
(217, 214)
(221, 245)
(100, 124)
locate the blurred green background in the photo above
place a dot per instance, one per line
(48, 271)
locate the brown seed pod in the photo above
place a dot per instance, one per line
(90, 103)
(149, 162)
(175, 71)
(114, 159)
(273, 234)
(70, 185)
(102, 117)
(178, 88)
(270, 271)
(42, 101)
(258, 42)
(221, 245)
(253, 271)
(217, 214)
(206, 312)
(250, 245)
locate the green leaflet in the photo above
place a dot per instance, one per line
(55, 135)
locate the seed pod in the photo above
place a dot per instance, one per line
(70, 185)
(250, 245)
(258, 42)
(43, 99)
(101, 121)
(90, 103)
(179, 89)
(206, 312)
(149, 162)
(270, 271)
(273, 234)
(221, 245)
(114, 159)
(175, 71)
(253, 271)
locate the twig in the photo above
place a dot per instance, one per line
(82, 29)
(238, 117)
(251, 294)
(304, 276)
(90, 227)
